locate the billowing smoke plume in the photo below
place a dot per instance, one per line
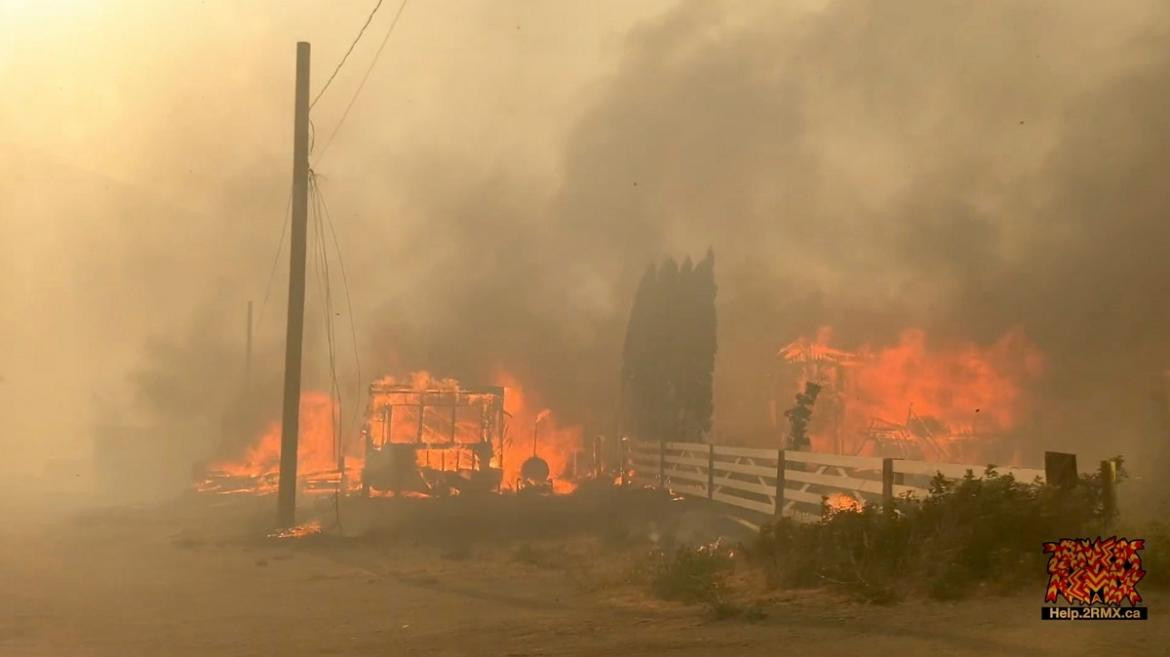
(964, 168)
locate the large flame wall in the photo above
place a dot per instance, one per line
(321, 440)
(964, 389)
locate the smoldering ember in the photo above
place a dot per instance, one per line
(660, 327)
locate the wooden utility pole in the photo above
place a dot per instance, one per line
(290, 419)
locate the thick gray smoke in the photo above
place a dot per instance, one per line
(966, 168)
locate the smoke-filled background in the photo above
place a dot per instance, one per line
(510, 169)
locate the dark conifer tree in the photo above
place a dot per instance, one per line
(637, 368)
(665, 352)
(668, 359)
(705, 345)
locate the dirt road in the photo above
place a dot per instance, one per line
(142, 582)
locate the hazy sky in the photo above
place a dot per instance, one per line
(147, 152)
(969, 168)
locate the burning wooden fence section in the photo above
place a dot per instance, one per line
(793, 483)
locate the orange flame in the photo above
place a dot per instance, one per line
(256, 468)
(949, 392)
(556, 444)
(311, 528)
(842, 502)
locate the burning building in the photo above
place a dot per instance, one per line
(418, 435)
(960, 402)
(432, 437)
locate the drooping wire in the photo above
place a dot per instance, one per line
(348, 300)
(285, 220)
(336, 402)
(321, 260)
(328, 222)
(362, 84)
(344, 57)
(324, 282)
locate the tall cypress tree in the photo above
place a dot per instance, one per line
(705, 345)
(668, 359)
(665, 352)
(637, 368)
(686, 371)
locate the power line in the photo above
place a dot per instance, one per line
(284, 223)
(345, 286)
(324, 220)
(362, 84)
(321, 259)
(322, 207)
(346, 55)
(336, 409)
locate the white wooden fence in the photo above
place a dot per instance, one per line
(787, 482)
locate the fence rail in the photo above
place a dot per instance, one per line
(793, 483)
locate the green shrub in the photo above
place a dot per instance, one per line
(690, 575)
(973, 533)
(854, 549)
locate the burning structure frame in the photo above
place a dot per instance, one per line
(433, 439)
(919, 436)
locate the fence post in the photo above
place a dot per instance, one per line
(779, 511)
(598, 467)
(1060, 469)
(710, 471)
(662, 464)
(624, 459)
(887, 484)
(1109, 490)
